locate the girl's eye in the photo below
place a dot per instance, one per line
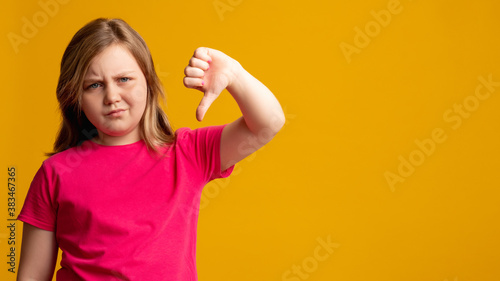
(124, 79)
(93, 86)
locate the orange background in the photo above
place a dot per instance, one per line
(390, 151)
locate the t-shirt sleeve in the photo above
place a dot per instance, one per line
(39, 208)
(204, 145)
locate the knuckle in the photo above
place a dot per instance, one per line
(198, 51)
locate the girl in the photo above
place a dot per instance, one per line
(120, 193)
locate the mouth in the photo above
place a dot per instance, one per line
(116, 112)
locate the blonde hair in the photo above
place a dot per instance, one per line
(89, 41)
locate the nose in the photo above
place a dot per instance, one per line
(112, 94)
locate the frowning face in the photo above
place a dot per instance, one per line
(114, 96)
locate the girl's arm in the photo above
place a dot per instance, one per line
(211, 71)
(38, 254)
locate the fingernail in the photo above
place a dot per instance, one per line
(209, 61)
(208, 67)
(202, 83)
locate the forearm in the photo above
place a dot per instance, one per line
(260, 108)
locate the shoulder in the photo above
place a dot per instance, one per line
(183, 133)
(70, 158)
(60, 157)
(208, 131)
(199, 139)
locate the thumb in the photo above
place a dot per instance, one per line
(205, 103)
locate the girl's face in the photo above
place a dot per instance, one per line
(114, 96)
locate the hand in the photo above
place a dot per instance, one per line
(209, 71)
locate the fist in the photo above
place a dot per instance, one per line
(209, 71)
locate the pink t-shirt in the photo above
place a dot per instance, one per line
(119, 213)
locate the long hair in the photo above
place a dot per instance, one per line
(88, 42)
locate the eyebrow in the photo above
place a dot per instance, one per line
(119, 75)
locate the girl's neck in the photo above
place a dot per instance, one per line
(108, 140)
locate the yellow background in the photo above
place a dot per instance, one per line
(348, 123)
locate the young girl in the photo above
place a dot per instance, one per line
(120, 193)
